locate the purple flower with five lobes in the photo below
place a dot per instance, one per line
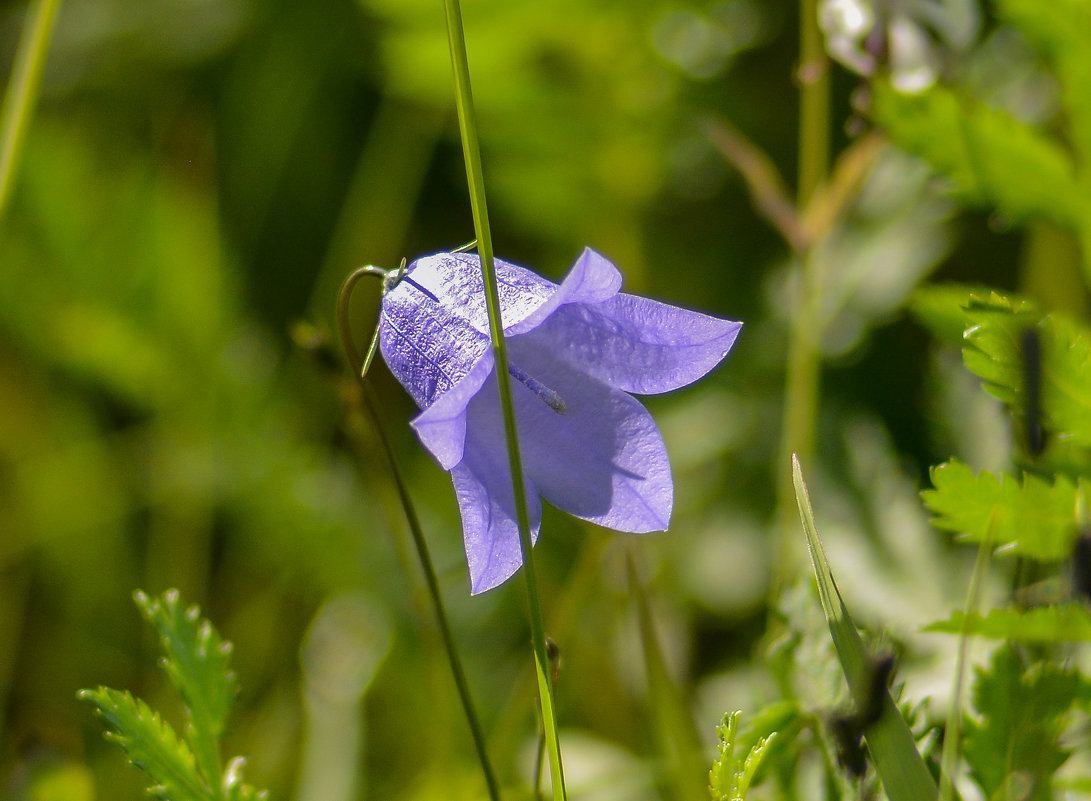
(576, 351)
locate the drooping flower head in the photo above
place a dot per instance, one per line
(576, 351)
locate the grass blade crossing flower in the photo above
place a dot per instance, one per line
(576, 351)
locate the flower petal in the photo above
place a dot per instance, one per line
(487, 504)
(592, 279)
(639, 345)
(602, 460)
(442, 426)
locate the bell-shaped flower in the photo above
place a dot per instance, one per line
(576, 351)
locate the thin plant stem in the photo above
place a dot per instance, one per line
(950, 753)
(22, 91)
(803, 362)
(372, 405)
(814, 104)
(471, 150)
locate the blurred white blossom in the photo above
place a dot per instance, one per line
(903, 35)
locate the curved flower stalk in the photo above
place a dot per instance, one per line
(576, 351)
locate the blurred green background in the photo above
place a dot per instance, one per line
(199, 178)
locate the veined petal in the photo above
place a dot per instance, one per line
(603, 460)
(442, 426)
(592, 279)
(638, 345)
(487, 504)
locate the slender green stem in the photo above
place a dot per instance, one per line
(814, 104)
(803, 363)
(22, 92)
(951, 737)
(423, 555)
(471, 150)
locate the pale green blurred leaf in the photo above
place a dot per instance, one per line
(1023, 711)
(1061, 29)
(1044, 624)
(992, 158)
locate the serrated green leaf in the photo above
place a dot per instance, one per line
(755, 757)
(721, 778)
(1034, 518)
(993, 159)
(197, 664)
(1023, 713)
(941, 308)
(1066, 378)
(235, 789)
(1043, 624)
(151, 744)
(994, 351)
(732, 775)
(993, 344)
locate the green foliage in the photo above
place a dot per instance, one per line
(1023, 714)
(1068, 622)
(151, 744)
(994, 352)
(1032, 518)
(732, 773)
(196, 661)
(1059, 30)
(993, 159)
(994, 337)
(994, 327)
(197, 664)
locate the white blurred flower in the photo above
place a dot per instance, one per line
(899, 34)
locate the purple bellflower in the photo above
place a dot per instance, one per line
(576, 351)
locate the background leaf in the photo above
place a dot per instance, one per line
(1061, 30)
(1044, 624)
(992, 158)
(1023, 712)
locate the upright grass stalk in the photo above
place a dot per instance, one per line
(423, 555)
(900, 766)
(22, 91)
(471, 150)
(952, 736)
(803, 363)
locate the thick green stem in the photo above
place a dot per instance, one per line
(814, 104)
(22, 92)
(803, 363)
(471, 150)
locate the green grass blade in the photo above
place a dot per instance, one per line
(679, 742)
(899, 764)
(22, 92)
(467, 122)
